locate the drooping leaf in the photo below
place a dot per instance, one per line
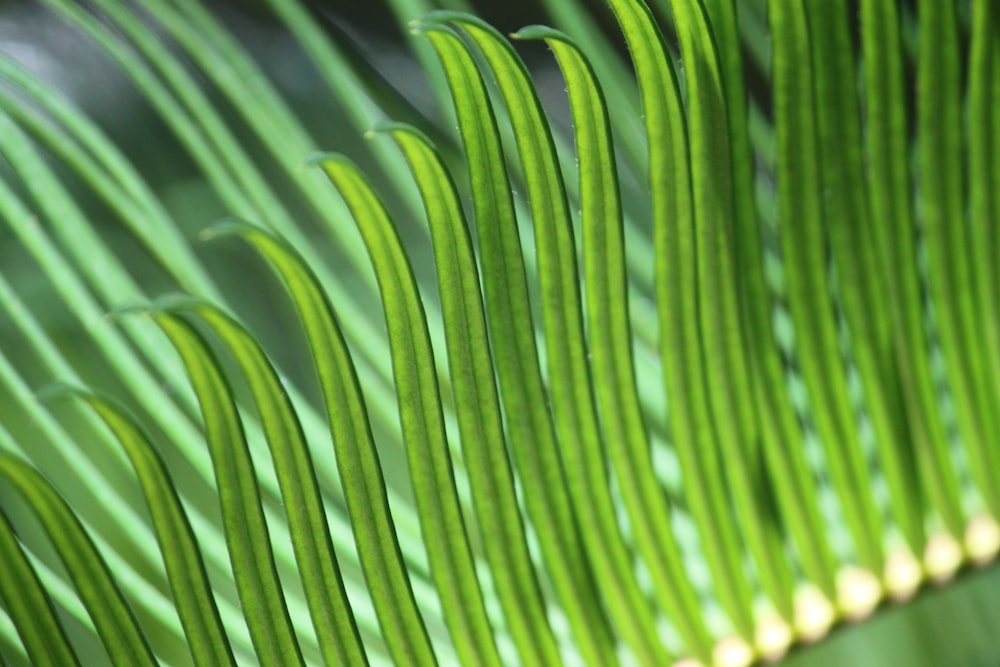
(28, 605)
(515, 355)
(115, 623)
(243, 519)
(357, 457)
(441, 521)
(189, 582)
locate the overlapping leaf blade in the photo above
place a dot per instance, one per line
(28, 605)
(515, 353)
(810, 297)
(113, 619)
(477, 404)
(357, 457)
(570, 382)
(580, 445)
(243, 518)
(189, 582)
(431, 471)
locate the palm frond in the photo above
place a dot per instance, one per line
(692, 384)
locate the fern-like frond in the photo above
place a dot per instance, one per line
(687, 384)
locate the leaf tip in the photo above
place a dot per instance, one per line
(319, 158)
(228, 226)
(174, 302)
(537, 32)
(119, 312)
(59, 391)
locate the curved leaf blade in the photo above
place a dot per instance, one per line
(445, 536)
(29, 606)
(681, 348)
(243, 518)
(809, 294)
(604, 277)
(522, 390)
(356, 454)
(113, 619)
(731, 387)
(477, 404)
(571, 384)
(336, 628)
(192, 592)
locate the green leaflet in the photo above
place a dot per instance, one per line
(123, 640)
(810, 298)
(681, 345)
(983, 215)
(781, 437)
(477, 404)
(863, 286)
(571, 384)
(731, 388)
(792, 254)
(189, 583)
(515, 356)
(336, 629)
(243, 519)
(423, 425)
(941, 212)
(609, 334)
(357, 457)
(895, 236)
(188, 275)
(29, 606)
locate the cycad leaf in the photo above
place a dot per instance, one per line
(962, 324)
(862, 282)
(680, 342)
(731, 387)
(189, 583)
(336, 629)
(440, 512)
(794, 487)
(571, 385)
(114, 621)
(984, 211)
(243, 519)
(357, 457)
(895, 239)
(604, 278)
(477, 405)
(29, 606)
(515, 354)
(810, 298)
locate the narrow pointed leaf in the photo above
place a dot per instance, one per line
(113, 619)
(29, 607)
(515, 353)
(895, 234)
(731, 387)
(477, 405)
(942, 215)
(681, 348)
(440, 512)
(357, 457)
(243, 519)
(336, 628)
(571, 385)
(604, 276)
(795, 489)
(984, 221)
(189, 582)
(862, 282)
(810, 297)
